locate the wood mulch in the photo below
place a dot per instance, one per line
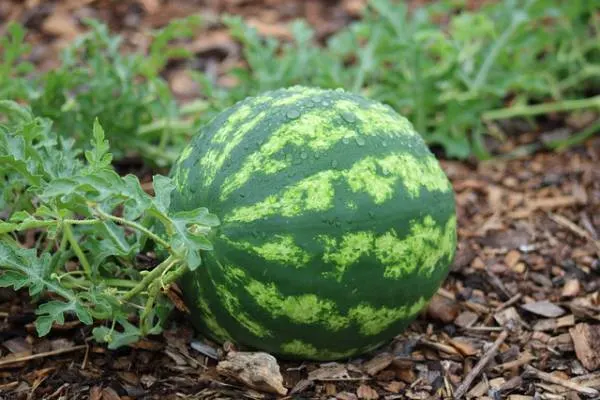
(518, 317)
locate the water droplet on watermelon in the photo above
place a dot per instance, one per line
(386, 171)
(334, 164)
(349, 117)
(345, 140)
(360, 141)
(317, 156)
(293, 114)
(384, 143)
(289, 157)
(303, 155)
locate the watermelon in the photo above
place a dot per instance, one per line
(337, 223)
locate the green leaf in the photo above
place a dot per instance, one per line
(98, 157)
(51, 312)
(116, 339)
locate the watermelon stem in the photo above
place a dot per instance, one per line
(150, 277)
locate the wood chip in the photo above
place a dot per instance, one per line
(586, 340)
(571, 288)
(544, 308)
(512, 258)
(464, 346)
(378, 363)
(509, 315)
(394, 386)
(554, 323)
(466, 319)
(562, 382)
(442, 309)
(258, 371)
(346, 396)
(330, 371)
(366, 392)
(490, 353)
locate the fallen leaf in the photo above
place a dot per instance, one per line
(257, 370)
(544, 308)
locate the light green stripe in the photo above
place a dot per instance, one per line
(296, 95)
(309, 309)
(211, 321)
(373, 321)
(305, 309)
(376, 118)
(234, 308)
(313, 131)
(376, 177)
(351, 247)
(214, 159)
(302, 349)
(422, 249)
(281, 249)
(314, 193)
(317, 131)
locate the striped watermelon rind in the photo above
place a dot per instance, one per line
(337, 223)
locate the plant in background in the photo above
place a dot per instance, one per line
(453, 79)
(94, 80)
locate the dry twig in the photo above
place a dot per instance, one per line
(466, 383)
(41, 355)
(588, 391)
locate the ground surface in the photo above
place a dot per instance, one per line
(526, 277)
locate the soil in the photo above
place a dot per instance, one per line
(518, 317)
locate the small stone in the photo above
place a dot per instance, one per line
(257, 370)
